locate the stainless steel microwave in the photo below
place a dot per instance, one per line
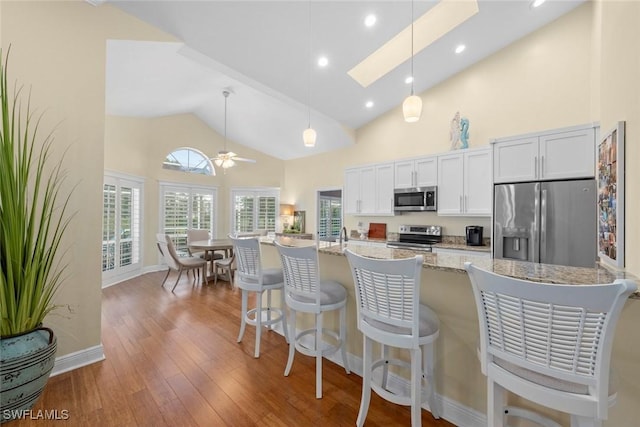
(415, 199)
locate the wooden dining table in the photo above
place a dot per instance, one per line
(210, 247)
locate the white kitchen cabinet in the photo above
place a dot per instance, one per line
(461, 252)
(368, 190)
(568, 154)
(478, 185)
(384, 189)
(545, 156)
(464, 183)
(420, 172)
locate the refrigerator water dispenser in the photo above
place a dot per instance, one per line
(514, 247)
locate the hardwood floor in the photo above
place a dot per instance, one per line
(173, 360)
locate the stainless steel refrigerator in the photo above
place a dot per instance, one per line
(551, 222)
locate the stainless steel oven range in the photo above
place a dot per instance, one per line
(417, 237)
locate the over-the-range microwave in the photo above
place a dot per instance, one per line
(415, 199)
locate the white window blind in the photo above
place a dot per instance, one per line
(330, 221)
(254, 209)
(185, 207)
(121, 226)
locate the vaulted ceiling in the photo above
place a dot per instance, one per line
(266, 53)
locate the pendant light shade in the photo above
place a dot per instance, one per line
(412, 108)
(412, 105)
(309, 137)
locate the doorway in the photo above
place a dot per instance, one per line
(329, 214)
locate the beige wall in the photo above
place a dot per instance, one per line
(541, 82)
(620, 93)
(58, 51)
(138, 146)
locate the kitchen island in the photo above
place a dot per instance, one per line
(445, 287)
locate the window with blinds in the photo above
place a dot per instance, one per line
(185, 207)
(330, 221)
(254, 209)
(121, 226)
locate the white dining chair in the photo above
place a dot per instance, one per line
(306, 293)
(252, 277)
(177, 263)
(547, 343)
(390, 313)
(224, 267)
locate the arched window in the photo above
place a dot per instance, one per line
(189, 160)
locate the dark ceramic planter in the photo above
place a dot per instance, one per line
(26, 361)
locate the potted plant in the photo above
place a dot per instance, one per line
(32, 222)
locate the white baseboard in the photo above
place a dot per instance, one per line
(451, 410)
(130, 275)
(81, 358)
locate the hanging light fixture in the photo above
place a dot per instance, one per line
(309, 135)
(226, 159)
(412, 105)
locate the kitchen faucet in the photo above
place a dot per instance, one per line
(343, 231)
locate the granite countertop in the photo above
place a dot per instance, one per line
(546, 273)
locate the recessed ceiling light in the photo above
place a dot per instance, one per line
(408, 80)
(370, 20)
(460, 48)
(323, 61)
(369, 104)
(536, 3)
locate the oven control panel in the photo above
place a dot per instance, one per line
(428, 230)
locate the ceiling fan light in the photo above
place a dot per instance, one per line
(218, 162)
(309, 137)
(412, 108)
(228, 163)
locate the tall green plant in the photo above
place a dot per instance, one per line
(32, 215)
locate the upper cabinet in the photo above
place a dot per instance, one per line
(420, 172)
(547, 156)
(368, 190)
(464, 183)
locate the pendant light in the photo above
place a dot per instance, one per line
(309, 134)
(412, 105)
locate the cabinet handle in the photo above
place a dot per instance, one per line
(466, 203)
(460, 203)
(542, 167)
(535, 166)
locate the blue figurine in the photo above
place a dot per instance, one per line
(464, 132)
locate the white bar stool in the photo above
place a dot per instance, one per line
(251, 277)
(548, 343)
(306, 293)
(390, 313)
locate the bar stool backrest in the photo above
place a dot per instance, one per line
(562, 331)
(388, 291)
(301, 271)
(247, 253)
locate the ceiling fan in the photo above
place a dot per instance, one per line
(226, 159)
